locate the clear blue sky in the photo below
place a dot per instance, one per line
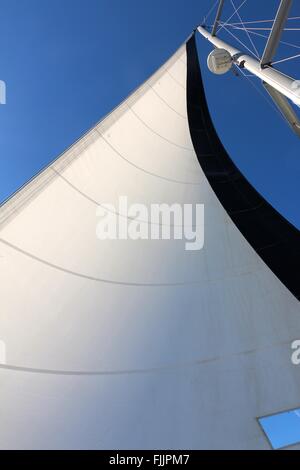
(66, 63)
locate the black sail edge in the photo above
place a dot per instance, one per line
(275, 240)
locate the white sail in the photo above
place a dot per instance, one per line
(129, 344)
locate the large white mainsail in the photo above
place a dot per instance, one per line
(138, 344)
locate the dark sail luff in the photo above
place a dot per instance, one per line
(275, 240)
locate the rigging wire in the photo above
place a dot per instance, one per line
(282, 42)
(241, 42)
(249, 31)
(267, 29)
(235, 37)
(266, 37)
(210, 11)
(249, 37)
(265, 21)
(286, 59)
(259, 91)
(228, 19)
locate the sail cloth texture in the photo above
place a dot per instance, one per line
(125, 344)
